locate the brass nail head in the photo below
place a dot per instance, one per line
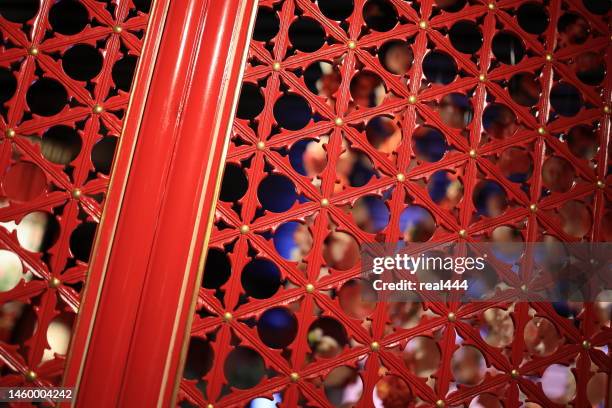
(227, 316)
(440, 403)
(352, 45)
(276, 66)
(533, 208)
(33, 51)
(54, 283)
(586, 344)
(375, 346)
(294, 376)
(244, 229)
(549, 57)
(400, 177)
(324, 202)
(10, 133)
(412, 99)
(76, 193)
(423, 24)
(473, 153)
(338, 121)
(601, 184)
(491, 6)
(463, 233)
(261, 145)
(30, 375)
(310, 288)
(452, 317)
(541, 131)
(98, 109)
(117, 29)
(514, 373)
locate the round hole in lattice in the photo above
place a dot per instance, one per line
(489, 198)
(384, 134)
(380, 15)
(58, 336)
(532, 17)
(251, 101)
(267, 24)
(597, 6)
(8, 85)
(525, 88)
(466, 36)
(306, 34)
(292, 240)
(541, 337)
(499, 121)
(292, 111)
(456, 110)
(322, 78)
(123, 72)
(565, 99)
(582, 141)
(354, 168)
(340, 251)
(516, 164)
(573, 29)
(277, 327)
(391, 391)
(451, 6)
(370, 213)
(445, 189)
(102, 154)
(343, 386)
(217, 269)
(497, 327)
(508, 244)
(199, 360)
(68, 17)
(142, 5)
(357, 298)
(19, 11)
(367, 89)
(468, 365)
(555, 257)
(590, 68)
(416, 224)
(82, 62)
(38, 231)
(559, 384)
(47, 97)
(61, 144)
(260, 278)
(336, 9)
(596, 389)
(429, 144)
(422, 356)
(327, 337)
(487, 401)
(439, 68)
(558, 174)
(396, 56)
(20, 322)
(576, 219)
(308, 156)
(276, 193)
(508, 48)
(24, 181)
(234, 368)
(11, 270)
(81, 240)
(234, 184)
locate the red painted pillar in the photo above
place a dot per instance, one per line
(150, 248)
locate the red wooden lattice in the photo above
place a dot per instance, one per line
(66, 71)
(521, 144)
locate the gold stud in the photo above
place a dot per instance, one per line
(524, 287)
(324, 202)
(310, 288)
(491, 6)
(352, 45)
(412, 99)
(482, 77)
(463, 233)
(606, 109)
(227, 316)
(440, 403)
(98, 109)
(452, 317)
(423, 24)
(549, 57)
(294, 376)
(533, 208)
(117, 29)
(338, 121)
(276, 66)
(210, 406)
(54, 283)
(76, 193)
(33, 51)
(30, 375)
(514, 373)
(601, 184)
(586, 344)
(400, 177)
(10, 133)
(375, 346)
(244, 229)
(541, 130)
(261, 145)
(473, 153)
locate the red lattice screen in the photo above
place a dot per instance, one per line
(466, 120)
(65, 73)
